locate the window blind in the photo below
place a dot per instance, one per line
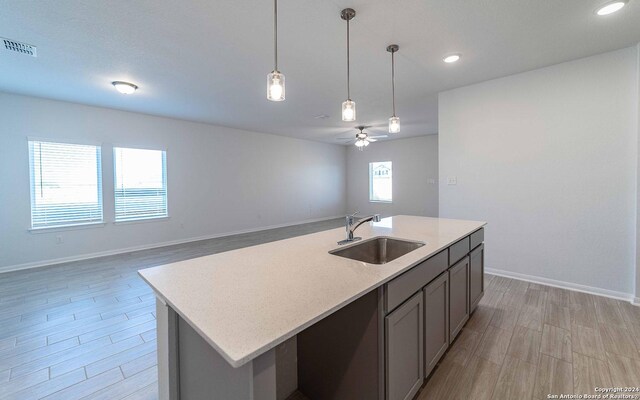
(140, 184)
(66, 184)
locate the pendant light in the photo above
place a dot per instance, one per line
(275, 79)
(348, 106)
(394, 121)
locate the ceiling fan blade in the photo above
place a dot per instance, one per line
(371, 139)
(345, 138)
(378, 136)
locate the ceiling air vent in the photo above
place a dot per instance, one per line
(19, 47)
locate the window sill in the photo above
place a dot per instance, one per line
(142, 220)
(49, 229)
(380, 201)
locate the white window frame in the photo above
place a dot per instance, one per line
(371, 199)
(153, 218)
(32, 186)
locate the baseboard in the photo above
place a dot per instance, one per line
(47, 263)
(564, 285)
(636, 301)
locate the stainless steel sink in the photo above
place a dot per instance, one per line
(378, 250)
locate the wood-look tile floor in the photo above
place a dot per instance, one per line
(86, 330)
(526, 341)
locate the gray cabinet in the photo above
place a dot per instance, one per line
(436, 321)
(476, 238)
(458, 250)
(476, 276)
(412, 281)
(458, 297)
(404, 349)
(426, 307)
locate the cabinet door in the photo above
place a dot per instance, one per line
(476, 276)
(458, 297)
(436, 321)
(404, 351)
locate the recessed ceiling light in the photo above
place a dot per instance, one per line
(611, 7)
(124, 87)
(451, 58)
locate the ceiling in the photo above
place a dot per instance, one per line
(207, 61)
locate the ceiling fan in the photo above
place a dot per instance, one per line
(362, 139)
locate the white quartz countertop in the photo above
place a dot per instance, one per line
(247, 301)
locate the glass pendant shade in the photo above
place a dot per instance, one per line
(348, 110)
(275, 86)
(394, 124)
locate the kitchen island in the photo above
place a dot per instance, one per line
(257, 322)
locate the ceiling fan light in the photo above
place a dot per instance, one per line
(360, 143)
(348, 110)
(275, 86)
(394, 124)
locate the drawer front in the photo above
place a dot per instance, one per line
(476, 238)
(404, 286)
(458, 250)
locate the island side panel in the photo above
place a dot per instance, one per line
(339, 356)
(167, 325)
(286, 368)
(190, 369)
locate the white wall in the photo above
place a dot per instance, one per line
(219, 179)
(415, 163)
(637, 292)
(548, 158)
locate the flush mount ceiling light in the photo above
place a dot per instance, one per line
(451, 58)
(611, 7)
(394, 121)
(275, 79)
(124, 87)
(348, 106)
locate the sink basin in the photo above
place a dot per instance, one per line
(378, 250)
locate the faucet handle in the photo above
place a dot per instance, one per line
(354, 214)
(376, 218)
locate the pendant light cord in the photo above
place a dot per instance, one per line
(275, 32)
(393, 82)
(348, 83)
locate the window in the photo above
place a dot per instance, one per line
(66, 184)
(140, 184)
(380, 188)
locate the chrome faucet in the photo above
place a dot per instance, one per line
(350, 227)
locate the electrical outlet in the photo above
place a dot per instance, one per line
(59, 240)
(431, 181)
(452, 180)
